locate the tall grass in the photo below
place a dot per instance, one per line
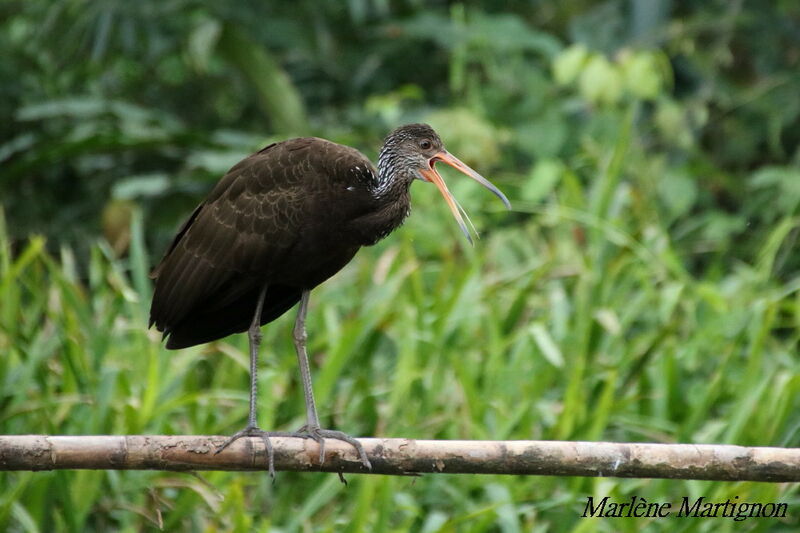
(578, 320)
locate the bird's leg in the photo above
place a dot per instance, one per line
(300, 337)
(254, 336)
(252, 429)
(312, 429)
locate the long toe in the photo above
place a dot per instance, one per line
(306, 432)
(254, 431)
(320, 433)
(249, 431)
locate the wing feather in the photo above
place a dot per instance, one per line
(235, 240)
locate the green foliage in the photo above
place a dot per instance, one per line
(579, 330)
(646, 286)
(164, 96)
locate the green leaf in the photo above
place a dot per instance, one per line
(140, 185)
(642, 75)
(543, 180)
(277, 95)
(202, 42)
(568, 65)
(677, 191)
(546, 345)
(600, 82)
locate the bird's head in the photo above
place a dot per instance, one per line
(411, 151)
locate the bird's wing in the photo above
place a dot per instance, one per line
(251, 222)
(250, 219)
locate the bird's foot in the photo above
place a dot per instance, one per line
(255, 431)
(319, 435)
(315, 433)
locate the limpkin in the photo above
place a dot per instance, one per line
(278, 224)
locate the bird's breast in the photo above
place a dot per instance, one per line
(312, 261)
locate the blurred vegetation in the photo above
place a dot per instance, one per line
(646, 287)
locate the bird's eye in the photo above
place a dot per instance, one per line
(425, 144)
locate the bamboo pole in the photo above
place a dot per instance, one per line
(405, 457)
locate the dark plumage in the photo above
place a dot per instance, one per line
(281, 222)
(287, 215)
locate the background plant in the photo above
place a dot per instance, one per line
(644, 288)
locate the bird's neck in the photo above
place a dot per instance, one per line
(394, 178)
(391, 200)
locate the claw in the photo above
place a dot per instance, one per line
(314, 433)
(254, 431)
(319, 435)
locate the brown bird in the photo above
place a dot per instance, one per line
(278, 224)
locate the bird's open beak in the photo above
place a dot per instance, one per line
(430, 174)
